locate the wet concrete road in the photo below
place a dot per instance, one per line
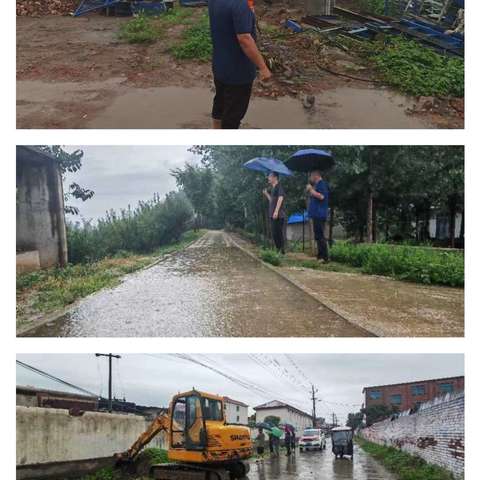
(211, 288)
(320, 465)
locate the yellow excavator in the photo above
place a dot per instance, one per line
(202, 446)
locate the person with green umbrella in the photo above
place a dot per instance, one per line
(318, 192)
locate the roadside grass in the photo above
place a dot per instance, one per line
(414, 264)
(195, 42)
(46, 291)
(405, 466)
(413, 68)
(271, 256)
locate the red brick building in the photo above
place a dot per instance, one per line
(405, 396)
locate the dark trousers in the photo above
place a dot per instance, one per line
(230, 103)
(319, 231)
(277, 234)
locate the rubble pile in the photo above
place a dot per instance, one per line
(45, 7)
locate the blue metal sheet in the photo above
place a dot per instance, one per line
(87, 6)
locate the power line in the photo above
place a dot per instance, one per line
(54, 378)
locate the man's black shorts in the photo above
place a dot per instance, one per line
(231, 103)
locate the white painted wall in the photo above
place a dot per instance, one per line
(300, 422)
(235, 414)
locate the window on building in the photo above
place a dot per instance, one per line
(238, 408)
(396, 399)
(375, 394)
(238, 419)
(418, 390)
(446, 387)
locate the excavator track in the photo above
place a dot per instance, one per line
(177, 471)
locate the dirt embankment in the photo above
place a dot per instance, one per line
(45, 7)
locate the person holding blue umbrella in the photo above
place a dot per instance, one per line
(318, 192)
(276, 210)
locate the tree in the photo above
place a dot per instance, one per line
(377, 413)
(273, 420)
(198, 184)
(69, 163)
(355, 420)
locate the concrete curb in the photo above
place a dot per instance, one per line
(58, 314)
(328, 305)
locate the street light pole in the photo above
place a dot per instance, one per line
(110, 356)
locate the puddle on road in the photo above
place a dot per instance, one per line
(315, 465)
(178, 107)
(209, 289)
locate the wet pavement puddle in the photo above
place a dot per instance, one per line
(210, 289)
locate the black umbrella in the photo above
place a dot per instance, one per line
(307, 160)
(310, 159)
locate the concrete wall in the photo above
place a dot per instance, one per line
(47, 435)
(40, 210)
(435, 433)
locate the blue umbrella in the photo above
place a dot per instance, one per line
(310, 159)
(267, 165)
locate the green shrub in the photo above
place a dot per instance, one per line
(416, 264)
(271, 256)
(139, 29)
(416, 69)
(141, 230)
(196, 42)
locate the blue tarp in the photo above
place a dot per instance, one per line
(297, 218)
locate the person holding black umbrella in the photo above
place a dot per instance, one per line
(318, 192)
(276, 210)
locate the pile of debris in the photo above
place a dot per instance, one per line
(45, 7)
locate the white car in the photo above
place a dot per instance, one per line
(312, 439)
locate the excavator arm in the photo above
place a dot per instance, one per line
(160, 424)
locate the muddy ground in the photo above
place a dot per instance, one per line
(77, 73)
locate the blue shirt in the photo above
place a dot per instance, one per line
(319, 208)
(229, 18)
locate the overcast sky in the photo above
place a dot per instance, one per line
(153, 379)
(123, 175)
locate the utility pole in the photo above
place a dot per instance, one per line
(110, 356)
(314, 403)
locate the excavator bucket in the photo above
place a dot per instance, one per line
(87, 6)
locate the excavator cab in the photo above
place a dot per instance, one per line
(188, 429)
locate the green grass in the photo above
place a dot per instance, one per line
(140, 29)
(271, 256)
(405, 466)
(107, 473)
(415, 264)
(195, 42)
(155, 455)
(414, 68)
(45, 291)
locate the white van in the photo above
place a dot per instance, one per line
(312, 439)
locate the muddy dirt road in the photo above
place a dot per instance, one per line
(210, 289)
(77, 73)
(320, 465)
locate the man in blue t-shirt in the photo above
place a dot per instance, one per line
(318, 193)
(235, 60)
